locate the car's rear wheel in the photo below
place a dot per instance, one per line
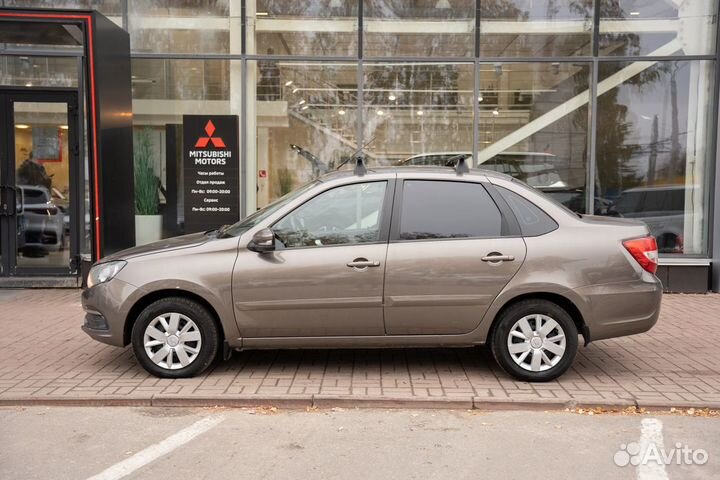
(534, 340)
(175, 338)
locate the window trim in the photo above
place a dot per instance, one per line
(385, 214)
(509, 224)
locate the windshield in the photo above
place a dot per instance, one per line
(237, 229)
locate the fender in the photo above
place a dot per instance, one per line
(513, 292)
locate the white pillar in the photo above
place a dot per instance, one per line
(251, 111)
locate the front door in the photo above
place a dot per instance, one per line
(38, 183)
(326, 276)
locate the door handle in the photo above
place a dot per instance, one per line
(363, 263)
(497, 257)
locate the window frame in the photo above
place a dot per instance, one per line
(509, 224)
(385, 214)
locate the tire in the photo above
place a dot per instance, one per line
(183, 332)
(539, 354)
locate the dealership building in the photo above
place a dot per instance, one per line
(126, 121)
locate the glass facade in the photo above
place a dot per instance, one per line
(607, 105)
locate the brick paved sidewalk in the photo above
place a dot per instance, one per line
(46, 359)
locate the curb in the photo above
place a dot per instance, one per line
(76, 401)
(329, 401)
(233, 401)
(299, 402)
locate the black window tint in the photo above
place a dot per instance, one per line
(533, 221)
(436, 209)
(35, 196)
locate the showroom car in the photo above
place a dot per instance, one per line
(41, 220)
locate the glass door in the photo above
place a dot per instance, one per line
(39, 174)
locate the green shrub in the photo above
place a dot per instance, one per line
(146, 195)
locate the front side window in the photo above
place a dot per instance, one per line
(441, 209)
(345, 215)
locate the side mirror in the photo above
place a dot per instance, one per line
(262, 242)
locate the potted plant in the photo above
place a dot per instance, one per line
(148, 223)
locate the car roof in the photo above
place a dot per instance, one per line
(655, 188)
(421, 170)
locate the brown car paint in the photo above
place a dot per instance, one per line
(322, 302)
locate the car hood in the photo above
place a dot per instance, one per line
(175, 243)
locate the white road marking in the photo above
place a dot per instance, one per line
(651, 434)
(153, 452)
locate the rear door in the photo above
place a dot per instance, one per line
(451, 252)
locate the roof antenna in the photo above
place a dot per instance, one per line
(355, 153)
(461, 166)
(360, 169)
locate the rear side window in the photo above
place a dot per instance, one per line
(438, 209)
(533, 221)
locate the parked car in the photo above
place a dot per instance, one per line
(661, 207)
(574, 199)
(394, 257)
(534, 168)
(40, 220)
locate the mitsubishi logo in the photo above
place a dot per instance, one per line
(217, 142)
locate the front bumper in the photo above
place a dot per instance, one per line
(106, 308)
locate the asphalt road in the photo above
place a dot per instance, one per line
(159, 443)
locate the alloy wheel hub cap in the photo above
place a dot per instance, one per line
(172, 341)
(536, 343)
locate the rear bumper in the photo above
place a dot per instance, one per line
(620, 309)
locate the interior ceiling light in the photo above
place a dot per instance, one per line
(301, 102)
(420, 112)
(296, 89)
(380, 112)
(22, 126)
(288, 83)
(304, 107)
(391, 97)
(634, 14)
(29, 84)
(480, 98)
(495, 112)
(341, 112)
(261, 14)
(64, 127)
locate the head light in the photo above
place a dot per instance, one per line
(104, 272)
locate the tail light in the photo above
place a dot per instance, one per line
(645, 251)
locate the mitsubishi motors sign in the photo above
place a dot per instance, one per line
(211, 170)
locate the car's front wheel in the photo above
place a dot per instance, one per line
(535, 340)
(175, 337)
